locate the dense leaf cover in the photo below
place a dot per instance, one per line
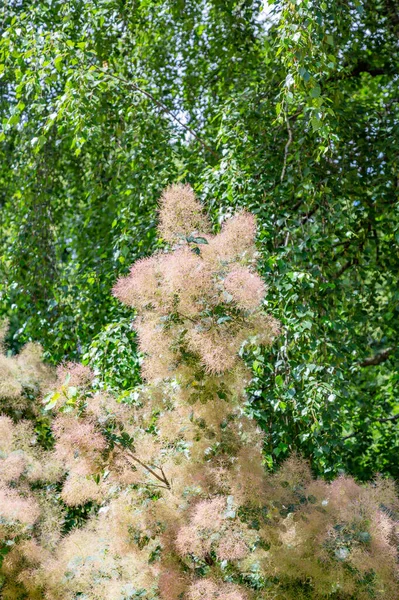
(289, 110)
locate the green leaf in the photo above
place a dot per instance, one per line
(72, 392)
(224, 319)
(58, 62)
(14, 119)
(196, 240)
(315, 91)
(304, 73)
(50, 401)
(364, 537)
(316, 123)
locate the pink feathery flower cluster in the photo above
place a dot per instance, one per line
(75, 374)
(207, 589)
(246, 288)
(19, 374)
(16, 508)
(79, 445)
(6, 433)
(202, 298)
(214, 528)
(180, 214)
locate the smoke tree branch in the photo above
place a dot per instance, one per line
(162, 478)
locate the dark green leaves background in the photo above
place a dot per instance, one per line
(288, 109)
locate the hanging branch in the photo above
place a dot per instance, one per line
(160, 105)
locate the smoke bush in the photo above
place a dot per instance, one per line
(22, 377)
(184, 506)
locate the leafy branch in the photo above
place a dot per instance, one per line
(382, 420)
(377, 359)
(159, 104)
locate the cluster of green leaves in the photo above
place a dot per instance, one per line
(113, 356)
(289, 109)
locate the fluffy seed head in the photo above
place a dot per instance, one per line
(14, 507)
(232, 547)
(6, 434)
(236, 242)
(209, 513)
(78, 375)
(189, 279)
(180, 214)
(141, 288)
(78, 443)
(12, 467)
(207, 589)
(78, 490)
(246, 288)
(10, 385)
(172, 584)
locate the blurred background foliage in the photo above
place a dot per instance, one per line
(289, 109)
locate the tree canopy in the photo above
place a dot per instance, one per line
(289, 110)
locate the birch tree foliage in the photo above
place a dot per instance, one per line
(289, 110)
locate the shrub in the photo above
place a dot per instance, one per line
(183, 505)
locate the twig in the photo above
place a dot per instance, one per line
(156, 485)
(287, 145)
(377, 358)
(162, 479)
(309, 214)
(349, 436)
(345, 267)
(394, 418)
